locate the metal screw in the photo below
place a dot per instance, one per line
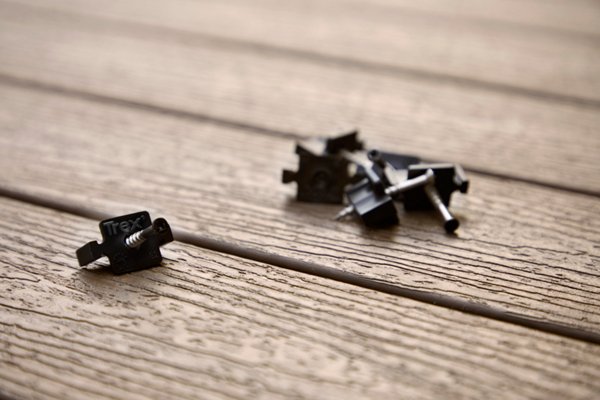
(344, 213)
(139, 237)
(450, 223)
(425, 179)
(392, 191)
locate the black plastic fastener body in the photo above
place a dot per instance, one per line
(131, 243)
(323, 171)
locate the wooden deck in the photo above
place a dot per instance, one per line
(191, 109)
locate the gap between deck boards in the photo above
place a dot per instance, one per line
(17, 82)
(328, 59)
(326, 272)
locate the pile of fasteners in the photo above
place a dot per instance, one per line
(340, 170)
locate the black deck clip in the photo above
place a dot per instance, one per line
(375, 208)
(368, 198)
(448, 178)
(323, 171)
(131, 243)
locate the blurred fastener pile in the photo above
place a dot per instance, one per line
(340, 170)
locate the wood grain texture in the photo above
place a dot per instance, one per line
(580, 16)
(574, 16)
(210, 325)
(498, 132)
(544, 60)
(521, 248)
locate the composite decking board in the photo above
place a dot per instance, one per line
(498, 132)
(572, 17)
(552, 62)
(524, 249)
(210, 323)
(580, 16)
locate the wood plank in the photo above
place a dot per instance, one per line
(498, 132)
(574, 16)
(206, 324)
(545, 60)
(580, 16)
(529, 250)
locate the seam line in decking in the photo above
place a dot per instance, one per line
(29, 84)
(322, 271)
(396, 71)
(141, 106)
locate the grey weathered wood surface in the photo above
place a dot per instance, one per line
(500, 132)
(512, 250)
(191, 109)
(208, 324)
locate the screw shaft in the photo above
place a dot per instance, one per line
(408, 184)
(344, 213)
(450, 223)
(139, 237)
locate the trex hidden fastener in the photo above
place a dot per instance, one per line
(375, 207)
(369, 199)
(131, 243)
(323, 171)
(437, 193)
